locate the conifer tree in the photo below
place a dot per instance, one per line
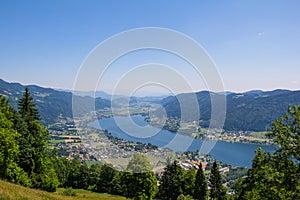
(33, 140)
(27, 107)
(217, 191)
(171, 181)
(201, 189)
(34, 155)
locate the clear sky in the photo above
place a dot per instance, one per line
(254, 43)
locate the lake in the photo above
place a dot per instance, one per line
(136, 129)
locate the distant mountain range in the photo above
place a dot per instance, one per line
(51, 103)
(253, 110)
(121, 98)
(95, 94)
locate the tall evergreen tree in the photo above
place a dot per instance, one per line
(34, 155)
(27, 108)
(171, 182)
(217, 191)
(33, 141)
(201, 190)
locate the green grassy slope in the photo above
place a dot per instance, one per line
(9, 191)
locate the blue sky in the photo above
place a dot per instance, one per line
(254, 44)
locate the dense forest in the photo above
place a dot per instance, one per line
(26, 159)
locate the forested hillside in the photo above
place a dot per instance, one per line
(254, 110)
(51, 103)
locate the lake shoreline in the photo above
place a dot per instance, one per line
(234, 153)
(175, 132)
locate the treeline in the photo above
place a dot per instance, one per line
(139, 182)
(26, 159)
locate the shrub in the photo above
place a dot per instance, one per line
(69, 192)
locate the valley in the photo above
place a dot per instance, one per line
(104, 136)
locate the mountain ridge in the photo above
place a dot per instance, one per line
(253, 111)
(50, 102)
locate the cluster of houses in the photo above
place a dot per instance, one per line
(191, 164)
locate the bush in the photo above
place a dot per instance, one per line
(46, 181)
(69, 192)
(17, 175)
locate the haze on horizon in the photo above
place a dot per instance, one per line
(254, 44)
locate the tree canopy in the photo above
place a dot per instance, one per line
(277, 175)
(9, 147)
(139, 163)
(139, 181)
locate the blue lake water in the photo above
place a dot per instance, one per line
(136, 129)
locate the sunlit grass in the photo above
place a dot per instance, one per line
(9, 191)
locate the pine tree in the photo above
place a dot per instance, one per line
(27, 108)
(201, 189)
(34, 156)
(33, 139)
(171, 182)
(217, 191)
